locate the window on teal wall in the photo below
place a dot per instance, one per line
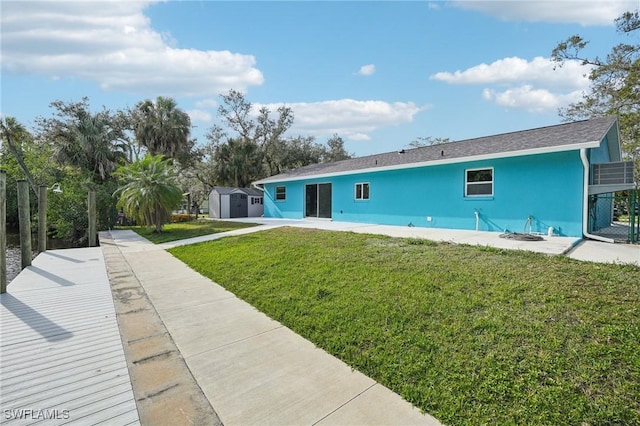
(362, 191)
(281, 193)
(478, 183)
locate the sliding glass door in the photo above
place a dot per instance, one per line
(318, 200)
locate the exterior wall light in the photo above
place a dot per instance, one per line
(56, 188)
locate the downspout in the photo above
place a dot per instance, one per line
(585, 204)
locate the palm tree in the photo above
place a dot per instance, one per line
(92, 143)
(151, 191)
(237, 162)
(163, 128)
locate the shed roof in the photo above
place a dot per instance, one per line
(225, 190)
(561, 137)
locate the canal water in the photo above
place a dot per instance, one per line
(14, 255)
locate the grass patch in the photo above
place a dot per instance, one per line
(183, 230)
(469, 335)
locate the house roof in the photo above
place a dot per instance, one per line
(562, 137)
(253, 192)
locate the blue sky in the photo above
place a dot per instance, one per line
(380, 74)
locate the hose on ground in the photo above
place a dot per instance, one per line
(521, 236)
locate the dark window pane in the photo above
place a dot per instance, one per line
(365, 191)
(358, 191)
(480, 175)
(324, 200)
(311, 200)
(480, 189)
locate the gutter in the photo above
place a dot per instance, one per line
(255, 185)
(585, 204)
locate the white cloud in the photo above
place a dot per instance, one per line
(531, 85)
(349, 118)
(513, 69)
(201, 116)
(359, 137)
(367, 69)
(584, 12)
(530, 99)
(206, 103)
(114, 44)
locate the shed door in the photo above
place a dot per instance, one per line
(238, 206)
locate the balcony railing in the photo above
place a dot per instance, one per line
(618, 173)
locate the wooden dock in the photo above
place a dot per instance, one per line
(61, 356)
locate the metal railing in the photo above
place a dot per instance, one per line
(613, 173)
(615, 215)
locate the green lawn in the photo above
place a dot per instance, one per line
(183, 230)
(470, 335)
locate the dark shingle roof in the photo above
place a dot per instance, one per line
(253, 192)
(544, 139)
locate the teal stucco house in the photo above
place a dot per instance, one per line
(530, 180)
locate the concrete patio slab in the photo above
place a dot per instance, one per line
(598, 251)
(550, 245)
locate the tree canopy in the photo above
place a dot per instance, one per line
(148, 190)
(81, 148)
(615, 83)
(94, 142)
(164, 129)
(259, 148)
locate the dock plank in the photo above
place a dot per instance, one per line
(61, 355)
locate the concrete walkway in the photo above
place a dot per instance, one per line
(166, 392)
(251, 368)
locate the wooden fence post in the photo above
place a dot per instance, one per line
(24, 217)
(3, 233)
(92, 218)
(42, 218)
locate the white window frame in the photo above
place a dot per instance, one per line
(284, 193)
(361, 185)
(467, 183)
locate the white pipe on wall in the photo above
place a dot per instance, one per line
(585, 204)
